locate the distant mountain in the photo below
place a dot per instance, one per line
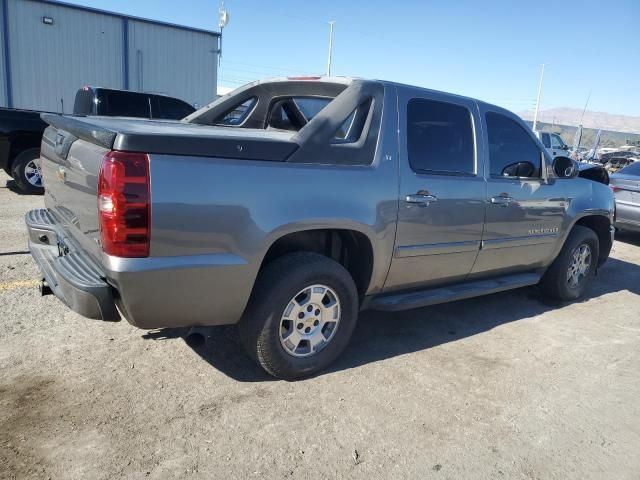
(595, 120)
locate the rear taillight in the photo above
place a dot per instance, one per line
(614, 189)
(124, 204)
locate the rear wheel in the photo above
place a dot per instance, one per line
(301, 315)
(26, 172)
(571, 272)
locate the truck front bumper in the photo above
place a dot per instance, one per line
(67, 270)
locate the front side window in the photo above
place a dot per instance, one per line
(512, 151)
(556, 142)
(439, 137)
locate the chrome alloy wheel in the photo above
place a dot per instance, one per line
(32, 174)
(310, 321)
(580, 265)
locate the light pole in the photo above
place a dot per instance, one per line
(331, 23)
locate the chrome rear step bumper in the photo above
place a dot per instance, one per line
(68, 271)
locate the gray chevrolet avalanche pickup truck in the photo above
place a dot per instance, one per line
(290, 205)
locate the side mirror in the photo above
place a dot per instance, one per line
(564, 167)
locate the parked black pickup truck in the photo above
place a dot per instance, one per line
(21, 130)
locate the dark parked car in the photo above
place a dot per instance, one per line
(20, 137)
(123, 103)
(616, 163)
(626, 188)
(606, 157)
(21, 130)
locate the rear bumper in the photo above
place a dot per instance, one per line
(70, 273)
(155, 292)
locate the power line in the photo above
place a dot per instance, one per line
(294, 70)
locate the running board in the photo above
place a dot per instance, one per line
(423, 298)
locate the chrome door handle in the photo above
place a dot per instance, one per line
(422, 199)
(502, 200)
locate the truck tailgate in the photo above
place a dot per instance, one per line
(73, 149)
(70, 169)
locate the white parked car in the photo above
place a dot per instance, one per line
(553, 143)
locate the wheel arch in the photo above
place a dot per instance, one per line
(351, 248)
(601, 225)
(19, 150)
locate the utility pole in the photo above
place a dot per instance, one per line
(331, 23)
(223, 19)
(535, 116)
(585, 107)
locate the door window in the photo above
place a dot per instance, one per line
(546, 139)
(127, 104)
(556, 142)
(172, 108)
(512, 151)
(440, 138)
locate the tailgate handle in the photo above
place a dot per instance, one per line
(63, 143)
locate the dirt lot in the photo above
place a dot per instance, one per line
(506, 386)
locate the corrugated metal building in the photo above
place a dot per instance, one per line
(50, 49)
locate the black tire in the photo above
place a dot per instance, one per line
(554, 283)
(18, 172)
(275, 287)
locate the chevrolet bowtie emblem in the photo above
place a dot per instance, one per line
(61, 174)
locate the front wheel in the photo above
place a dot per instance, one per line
(570, 274)
(301, 315)
(26, 172)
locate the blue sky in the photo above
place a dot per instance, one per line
(487, 49)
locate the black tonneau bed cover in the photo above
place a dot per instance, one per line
(176, 138)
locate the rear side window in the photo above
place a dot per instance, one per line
(125, 104)
(439, 137)
(237, 114)
(512, 151)
(83, 104)
(546, 139)
(172, 109)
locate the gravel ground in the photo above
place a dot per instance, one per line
(505, 386)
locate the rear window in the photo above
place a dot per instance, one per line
(439, 137)
(293, 113)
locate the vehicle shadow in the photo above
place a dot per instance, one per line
(13, 186)
(626, 236)
(382, 335)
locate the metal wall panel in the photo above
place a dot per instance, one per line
(3, 75)
(172, 61)
(50, 62)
